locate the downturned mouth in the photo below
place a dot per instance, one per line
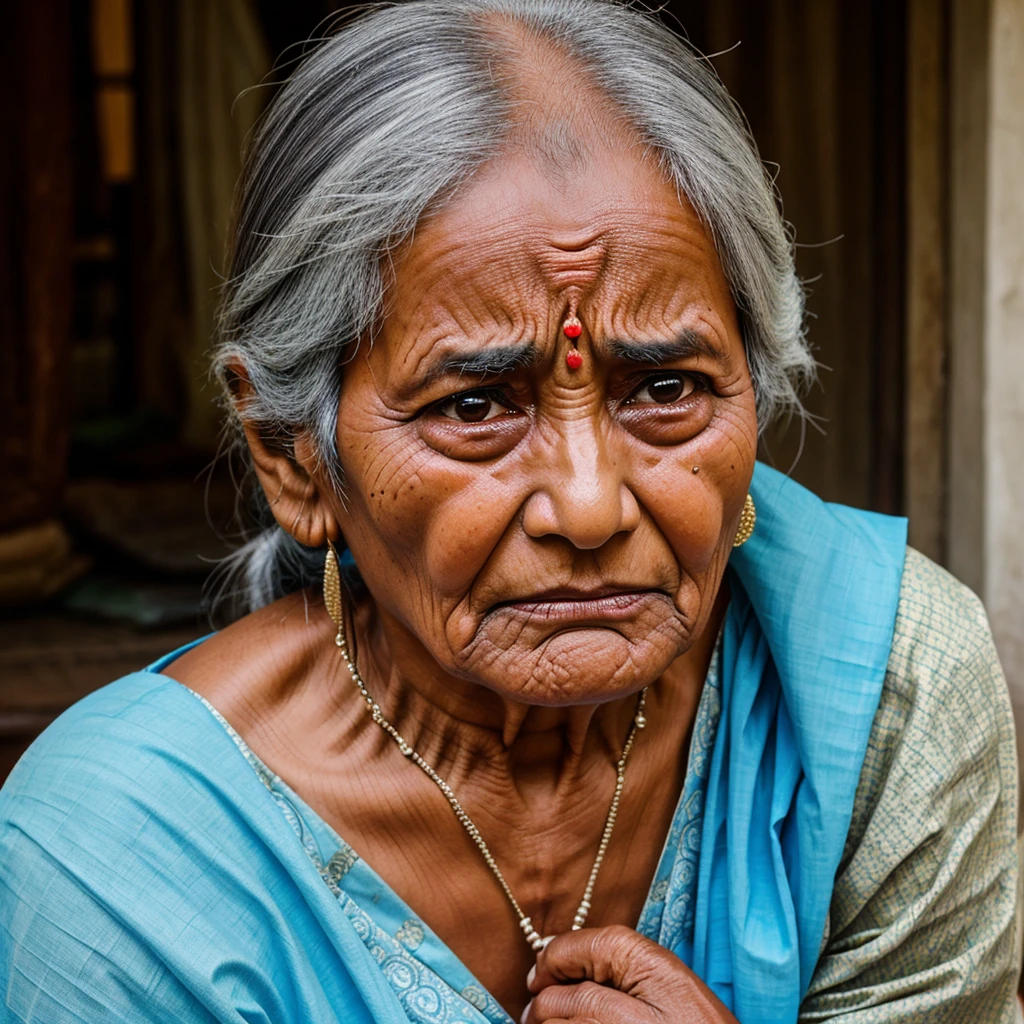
(605, 603)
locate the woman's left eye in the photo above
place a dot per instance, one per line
(663, 389)
(475, 406)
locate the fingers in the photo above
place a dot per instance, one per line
(616, 956)
(580, 1003)
(616, 976)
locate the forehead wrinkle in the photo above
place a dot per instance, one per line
(468, 268)
(464, 306)
(464, 261)
(564, 267)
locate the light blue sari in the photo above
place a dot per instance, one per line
(152, 869)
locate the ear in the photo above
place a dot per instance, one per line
(296, 490)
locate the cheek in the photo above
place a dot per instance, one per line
(411, 506)
(687, 512)
(696, 512)
(468, 527)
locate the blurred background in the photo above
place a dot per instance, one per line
(895, 128)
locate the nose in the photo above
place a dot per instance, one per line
(584, 497)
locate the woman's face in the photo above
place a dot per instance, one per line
(557, 535)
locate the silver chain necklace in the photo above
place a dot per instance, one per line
(533, 937)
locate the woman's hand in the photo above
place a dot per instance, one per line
(615, 976)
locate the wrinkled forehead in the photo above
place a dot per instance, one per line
(576, 211)
(608, 231)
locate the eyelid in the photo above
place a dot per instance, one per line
(700, 382)
(493, 392)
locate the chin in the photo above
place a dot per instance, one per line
(584, 664)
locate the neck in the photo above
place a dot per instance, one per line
(460, 726)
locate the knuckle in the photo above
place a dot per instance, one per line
(626, 957)
(618, 942)
(621, 933)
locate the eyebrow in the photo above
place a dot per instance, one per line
(685, 345)
(486, 362)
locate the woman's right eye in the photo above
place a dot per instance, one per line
(476, 425)
(475, 406)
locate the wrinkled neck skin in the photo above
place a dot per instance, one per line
(458, 725)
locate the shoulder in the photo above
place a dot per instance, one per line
(83, 832)
(944, 707)
(93, 735)
(944, 692)
(924, 903)
(941, 630)
(258, 662)
(134, 826)
(139, 771)
(144, 712)
(109, 763)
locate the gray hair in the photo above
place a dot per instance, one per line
(382, 122)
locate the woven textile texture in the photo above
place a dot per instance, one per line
(923, 911)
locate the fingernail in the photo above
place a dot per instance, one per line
(531, 975)
(526, 1012)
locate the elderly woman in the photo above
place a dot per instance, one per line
(596, 719)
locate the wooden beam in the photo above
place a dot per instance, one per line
(969, 41)
(35, 273)
(925, 439)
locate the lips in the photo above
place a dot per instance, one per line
(566, 603)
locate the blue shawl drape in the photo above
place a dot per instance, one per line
(147, 873)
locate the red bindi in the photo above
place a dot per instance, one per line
(572, 329)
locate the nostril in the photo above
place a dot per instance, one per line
(630, 511)
(539, 516)
(586, 517)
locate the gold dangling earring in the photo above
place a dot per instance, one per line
(332, 593)
(748, 518)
